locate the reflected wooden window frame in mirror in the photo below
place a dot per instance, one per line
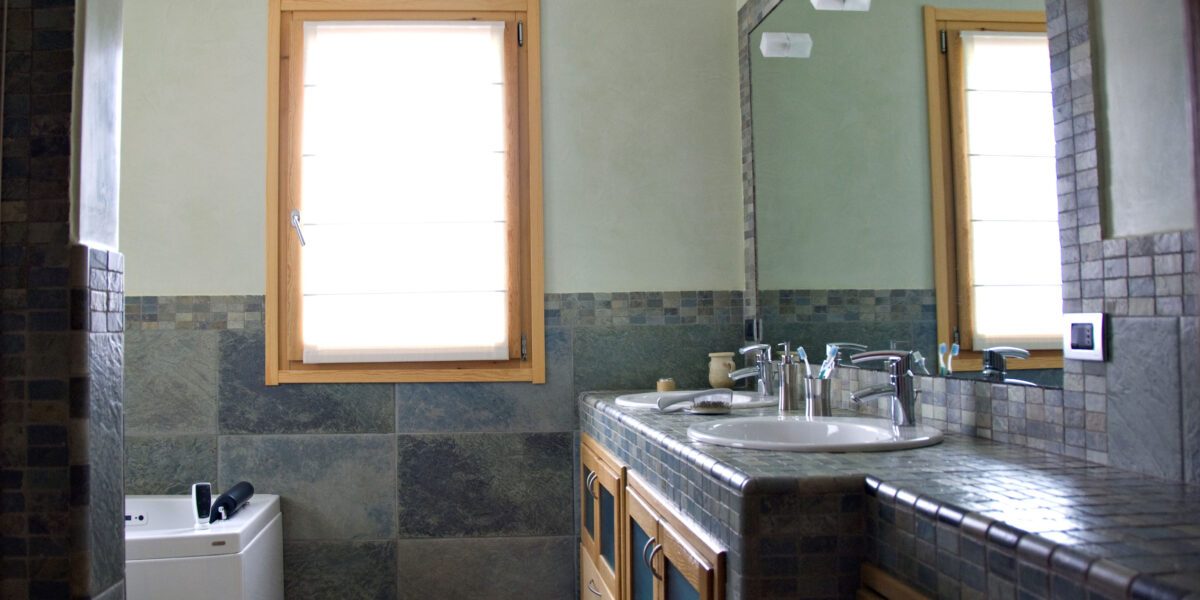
(954, 277)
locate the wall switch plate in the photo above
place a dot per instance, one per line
(1083, 336)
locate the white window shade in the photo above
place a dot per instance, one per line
(404, 192)
(1015, 250)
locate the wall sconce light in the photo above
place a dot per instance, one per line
(785, 45)
(857, 5)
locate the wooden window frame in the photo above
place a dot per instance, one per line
(283, 356)
(951, 203)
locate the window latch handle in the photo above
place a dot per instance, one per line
(296, 226)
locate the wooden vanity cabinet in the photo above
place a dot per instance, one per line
(665, 558)
(633, 544)
(601, 480)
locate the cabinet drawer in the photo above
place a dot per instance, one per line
(591, 585)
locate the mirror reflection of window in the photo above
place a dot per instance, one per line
(997, 255)
(1012, 207)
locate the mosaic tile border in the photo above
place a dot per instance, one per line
(644, 308)
(802, 306)
(590, 309)
(194, 312)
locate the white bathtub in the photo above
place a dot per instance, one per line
(167, 557)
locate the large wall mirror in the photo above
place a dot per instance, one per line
(841, 159)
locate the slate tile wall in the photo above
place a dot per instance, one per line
(1133, 411)
(60, 335)
(384, 485)
(95, 430)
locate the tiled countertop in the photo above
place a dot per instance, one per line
(1147, 529)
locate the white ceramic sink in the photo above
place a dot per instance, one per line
(650, 399)
(817, 434)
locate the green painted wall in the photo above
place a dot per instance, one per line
(642, 146)
(841, 148)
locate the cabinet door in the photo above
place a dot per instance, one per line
(591, 586)
(685, 574)
(640, 535)
(600, 510)
(607, 495)
(587, 501)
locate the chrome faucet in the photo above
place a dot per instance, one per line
(995, 365)
(901, 389)
(762, 370)
(845, 348)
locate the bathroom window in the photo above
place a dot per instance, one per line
(404, 209)
(995, 200)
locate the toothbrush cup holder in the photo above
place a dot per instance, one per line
(816, 396)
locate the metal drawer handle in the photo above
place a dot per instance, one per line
(594, 491)
(591, 478)
(592, 587)
(657, 547)
(646, 559)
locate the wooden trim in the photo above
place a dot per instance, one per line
(697, 571)
(270, 310)
(417, 375)
(409, 5)
(961, 194)
(532, 87)
(941, 181)
(587, 462)
(526, 263)
(291, 143)
(440, 15)
(970, 360)
(885, 586)
(970, 15)
(513, 221)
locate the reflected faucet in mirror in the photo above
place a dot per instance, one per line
(995, 364)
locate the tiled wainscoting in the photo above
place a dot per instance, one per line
(875, 318)
(383, 485)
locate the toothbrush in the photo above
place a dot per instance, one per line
(950, 361)
(942, 359)
(827, 367)
(804, 357)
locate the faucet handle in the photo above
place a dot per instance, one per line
(1012, 351)
(899, 361)
(762, 351)
(888, 355)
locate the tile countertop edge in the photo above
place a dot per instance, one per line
(1098, 573)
